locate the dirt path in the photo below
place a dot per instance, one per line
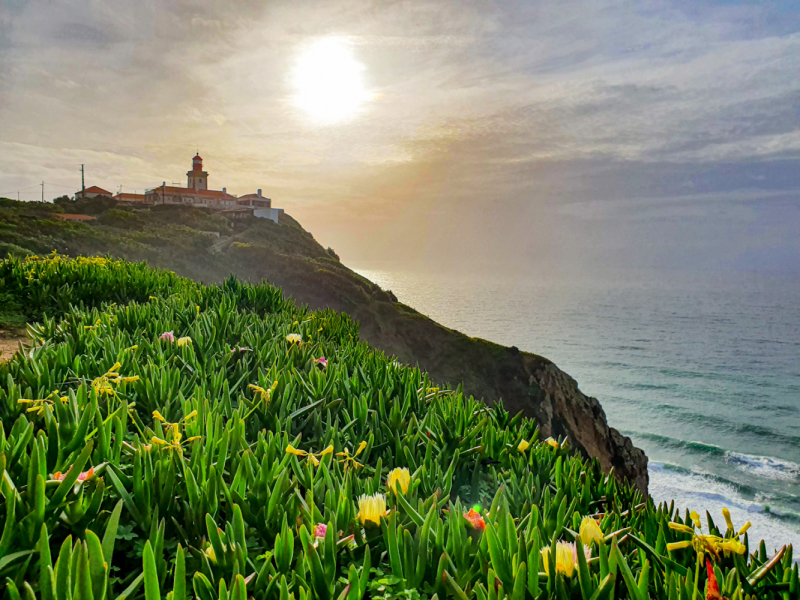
(9, 344)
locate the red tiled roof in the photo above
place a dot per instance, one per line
(192, 191)
(97, 190)
(74, 217)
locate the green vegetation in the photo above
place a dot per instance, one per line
(141, 233)
(165, 439)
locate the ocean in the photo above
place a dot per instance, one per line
(703, 374)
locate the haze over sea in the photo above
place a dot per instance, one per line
(703, 374)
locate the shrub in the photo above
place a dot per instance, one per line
(163, 436)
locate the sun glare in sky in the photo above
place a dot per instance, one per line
(328, 81)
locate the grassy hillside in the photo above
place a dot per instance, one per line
(165, 439)
(178, 239)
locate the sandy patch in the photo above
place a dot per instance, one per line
(9, 344)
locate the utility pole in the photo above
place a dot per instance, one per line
(43, 191)
(83, 184)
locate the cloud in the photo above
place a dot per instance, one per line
(482, 117)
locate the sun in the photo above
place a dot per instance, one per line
(328, 81)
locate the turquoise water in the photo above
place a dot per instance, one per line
(704, 375)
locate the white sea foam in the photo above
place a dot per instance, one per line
(765, 466)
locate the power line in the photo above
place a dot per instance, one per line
(21, 189)
(61, 185)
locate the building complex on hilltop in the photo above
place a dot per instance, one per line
(197, 194)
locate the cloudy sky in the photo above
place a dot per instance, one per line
(528, 136)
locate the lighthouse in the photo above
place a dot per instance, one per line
(197, 178)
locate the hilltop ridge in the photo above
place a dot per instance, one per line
(207, 247)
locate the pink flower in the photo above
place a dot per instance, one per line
(86, 474)
(320, 530)
(475, 519)
(167, 335)
(242, 349)
(59, 476)
(587, 552)
(321, 361)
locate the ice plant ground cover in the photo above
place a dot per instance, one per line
(231, 466)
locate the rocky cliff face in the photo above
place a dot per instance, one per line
(570, 412)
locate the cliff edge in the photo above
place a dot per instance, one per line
(525, 382)
(207, 247)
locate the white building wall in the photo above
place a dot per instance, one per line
(268, 213)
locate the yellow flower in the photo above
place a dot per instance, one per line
(523, 445)
(105, 383)
(173, 438)
(348, 460)
(744, 529)
(733, 545)
(311, 457)
(680, 527)
(295, 338)
(184, 341)
(566, 558)
(292, 450)
(552, 442)
(708, 543)
(371, 508)
(39, 405)
(266, 395)
(590, 531)
(727, 514)
(399, 476)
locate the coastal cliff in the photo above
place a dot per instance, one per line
(525, 382)
(286, 255)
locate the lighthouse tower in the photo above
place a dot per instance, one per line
(198, 179)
